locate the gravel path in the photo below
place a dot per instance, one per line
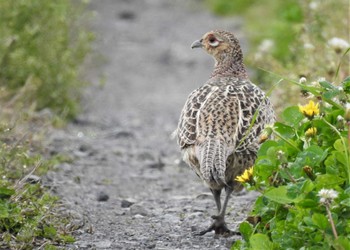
(127, 188)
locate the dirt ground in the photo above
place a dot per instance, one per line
(127, 187)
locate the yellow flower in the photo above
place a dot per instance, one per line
(311, 132)
(246, 176)
(310, 110)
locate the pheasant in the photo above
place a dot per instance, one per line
(220, 123)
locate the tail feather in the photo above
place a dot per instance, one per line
(212, 158)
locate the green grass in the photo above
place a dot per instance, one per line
(42, 53)
(42, 47)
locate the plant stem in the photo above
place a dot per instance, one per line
(331, 221)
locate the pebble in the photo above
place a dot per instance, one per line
(102, 196)
(126, 203)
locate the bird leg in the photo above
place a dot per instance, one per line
(219, 224)
(216, 193)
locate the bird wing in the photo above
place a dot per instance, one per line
(211, 111)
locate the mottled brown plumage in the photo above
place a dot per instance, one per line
(217, 133)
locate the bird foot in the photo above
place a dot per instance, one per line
(220, 228)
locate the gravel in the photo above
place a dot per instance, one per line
(127, 186)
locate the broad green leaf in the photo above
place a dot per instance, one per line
(308, 186)
(328, 180)
(265, 146)
(308, 203)
(320, 220)
(260, 242)
(339, 146)
(284, 130)
(279, 195)
(313, 155)
(246, 230)
(342, 243)
(292, 116)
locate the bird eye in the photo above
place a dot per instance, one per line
(213, 42)
(212, 39)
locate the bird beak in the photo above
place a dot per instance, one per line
(197, 44)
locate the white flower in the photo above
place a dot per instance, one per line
(340, 118)
(266, 45)
(313, 5)
(338, 44)
(302, 80)
(327, 195)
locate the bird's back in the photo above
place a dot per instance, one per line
(219, 127)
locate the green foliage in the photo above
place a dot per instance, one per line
(27, 211)
(303, 175)
(42, 46)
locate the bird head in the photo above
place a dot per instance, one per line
(222, 45)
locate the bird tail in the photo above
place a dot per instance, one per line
(212, 158)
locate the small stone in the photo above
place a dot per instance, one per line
(138, 216)
(127, 15)
(33, 179)
(102, 196)
(126, 203)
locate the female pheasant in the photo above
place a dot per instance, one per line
(220, 124)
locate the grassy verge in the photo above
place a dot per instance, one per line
(42, 47)
(303, 173)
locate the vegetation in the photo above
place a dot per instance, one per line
(41, 54)
(42, 47)
(303, 172)
(304, 176)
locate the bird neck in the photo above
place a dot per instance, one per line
(229, 64)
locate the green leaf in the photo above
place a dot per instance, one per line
(246, 230)
(331, 93)
(308, 186)
(346, 202)
(279, 195)
(320, 221)
(284, 130)
(292, 116)
(266, 146)
(307, 203)
(342, 243)
(6, 192)
(326, 85)
(260, 242)
(328, 180)
(339, 146)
